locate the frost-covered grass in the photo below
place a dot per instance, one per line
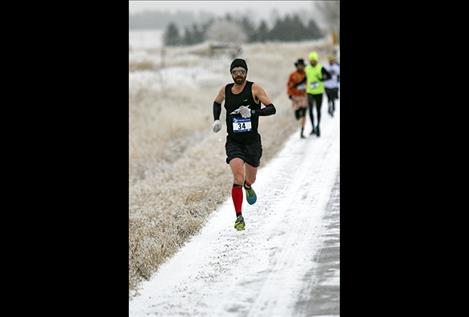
(178, 174)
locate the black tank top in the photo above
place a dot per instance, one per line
(243, 130)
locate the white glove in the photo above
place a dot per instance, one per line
(245, 112)
(216, 126)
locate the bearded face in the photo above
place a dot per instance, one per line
(239, 75)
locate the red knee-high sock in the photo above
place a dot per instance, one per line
(237, 195)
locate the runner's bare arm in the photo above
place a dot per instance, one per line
(221, 95)
(217, 104)
(261, 95)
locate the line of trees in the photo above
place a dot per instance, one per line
(288, 28)
(148, 20)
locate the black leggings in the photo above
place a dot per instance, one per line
(318, 100)
(332, 94)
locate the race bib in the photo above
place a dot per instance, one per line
(241, 125)
(314, 85)
(301, 87)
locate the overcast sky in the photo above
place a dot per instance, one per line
(261, 9)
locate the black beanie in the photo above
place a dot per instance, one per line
(238, 63)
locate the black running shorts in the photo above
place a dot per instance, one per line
(250, 153)
(301, 112)
(332, 93)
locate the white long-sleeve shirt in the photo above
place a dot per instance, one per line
(335, 71)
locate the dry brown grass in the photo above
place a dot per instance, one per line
(141, 65)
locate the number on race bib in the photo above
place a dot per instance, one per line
(241, 125)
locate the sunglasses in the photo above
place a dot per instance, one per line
(238, 71)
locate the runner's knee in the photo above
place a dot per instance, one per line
(238, 178)
(251, 180)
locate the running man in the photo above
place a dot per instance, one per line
(332, 85)
(315, 76)
(296, 89)
(243, 143)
